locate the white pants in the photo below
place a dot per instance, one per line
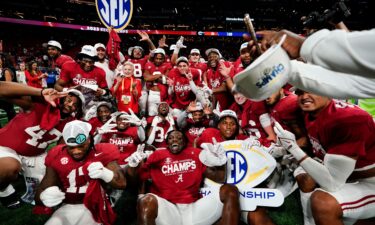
(153, 102)
(72, 214)
(205, 211)
(32, 166)
(357, 199)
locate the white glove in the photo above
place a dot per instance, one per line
(52, 196)
(250, 142)
(180, 43)
(276, 150)
(98, 171)
(212, 154)
(137, 156)
(155, 121)
(133, 119)
(288, 141)
(108, 127)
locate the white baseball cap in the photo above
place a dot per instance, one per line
(130, 50)
(157, 51)
(99, 45)
(182, 59)
(55, 44)
(229, 113)
(215, 50)
(88, 51)
(195, 50)
(244, 45)
(76, 132)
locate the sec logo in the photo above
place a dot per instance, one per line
(247, 167)
(236, 168)
(115, 14)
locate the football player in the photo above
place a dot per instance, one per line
(74, 175)
(216, 80)
(159, 126)
(177, 173)
(54, 51)
(83, 72)
(194, 120)
(179, 78)
(343, 137)
(36, 128)
(155, 76)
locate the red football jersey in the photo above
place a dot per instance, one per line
(343, 129)
(72, 73)
(61, 60)
(24, 135)
(238, 109)
(126, 142)
(183, 94)
(215, 80)
(139, 66)
(176, 177)
(286, 110)
(209, 133)
(198, 65)
(163, 69)
(95, 124)
(72, 173)
(161, 131)
(250, 118)
(195, 129)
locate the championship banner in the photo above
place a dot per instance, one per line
(115, 14)
(247, 168)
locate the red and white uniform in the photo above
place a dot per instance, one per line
(162, 69)
(347, 130)
(194, 129)
(73, 74)
(343, 129)
(126, 142)
(24, 135)
(72, 173)
(95, 124)
(161, 130)
(61, 60)
(238, 109)
(250, 118)
(199, 66)
(139, 66)
(286, 110)
(215, 80)
(210, 133)
(177, 177)
(183, 94)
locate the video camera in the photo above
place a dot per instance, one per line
(336, 14)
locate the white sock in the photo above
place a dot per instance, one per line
(7, 191)
(306, 208)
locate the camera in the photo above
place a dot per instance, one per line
(336, 14)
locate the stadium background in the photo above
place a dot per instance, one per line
(215, 19)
